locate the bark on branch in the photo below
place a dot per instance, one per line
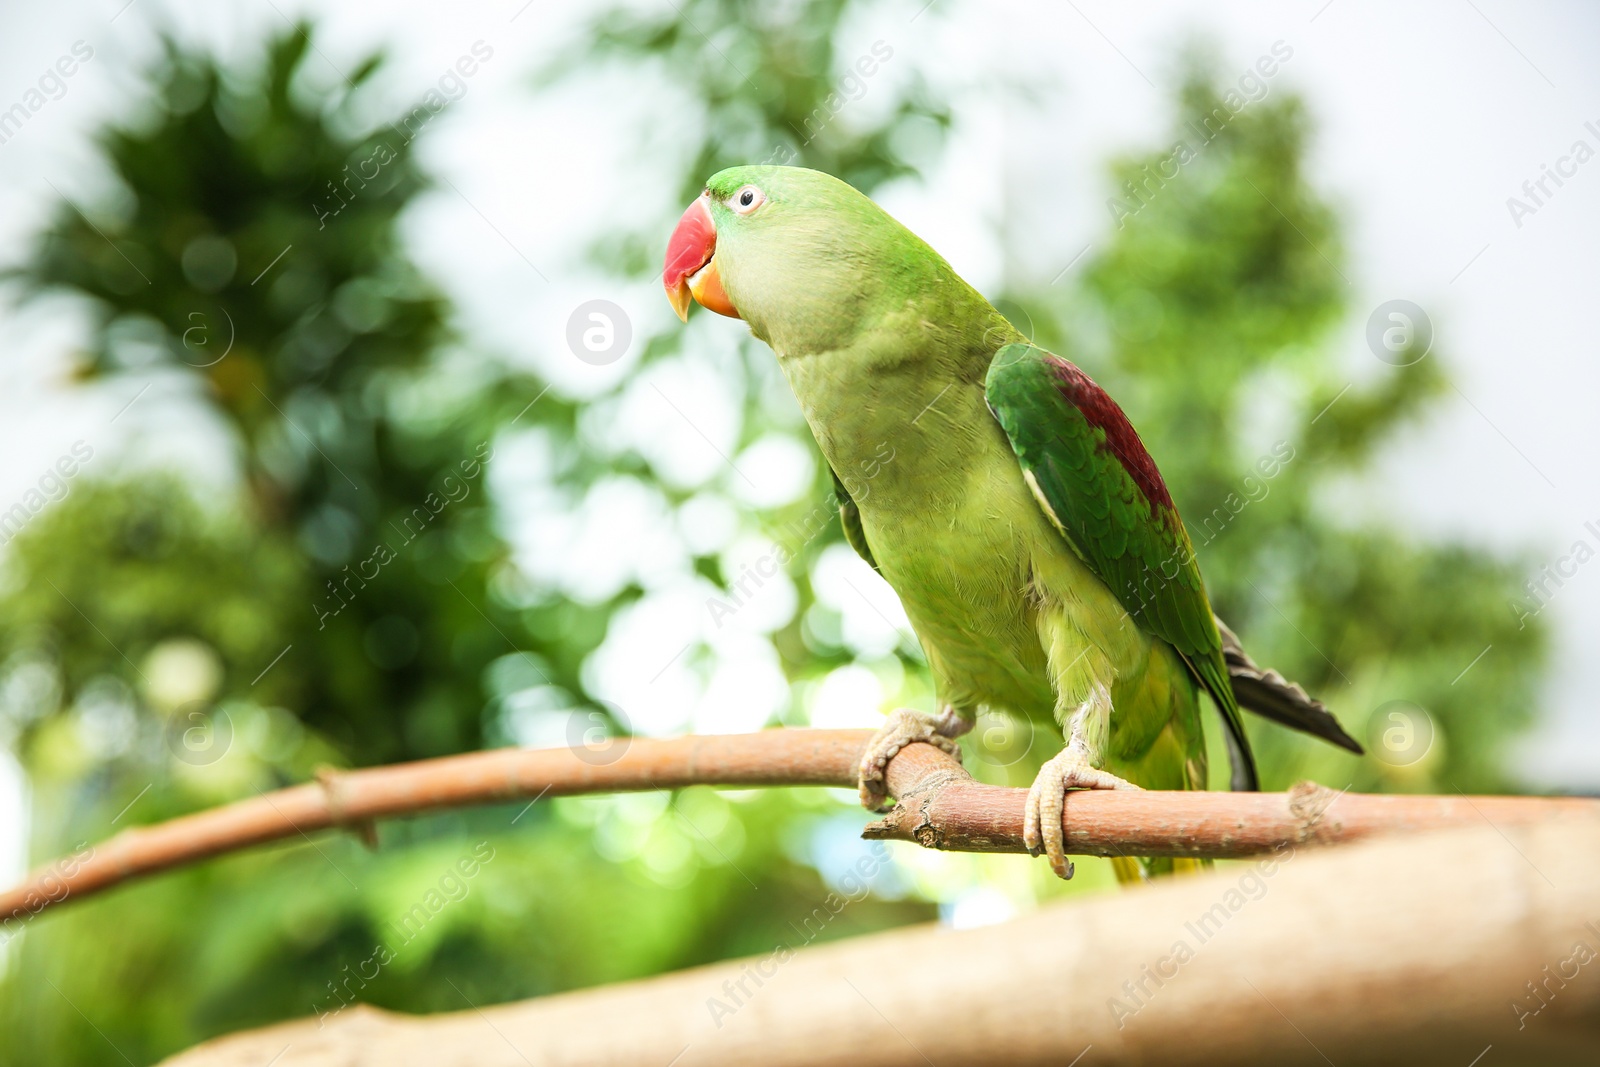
(940, 806)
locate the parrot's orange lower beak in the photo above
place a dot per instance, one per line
(691, 266)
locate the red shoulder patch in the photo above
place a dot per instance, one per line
(1102, 413)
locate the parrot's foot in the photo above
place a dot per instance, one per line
(1041, 827)
(903, 728)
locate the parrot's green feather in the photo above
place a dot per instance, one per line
(1094, 478)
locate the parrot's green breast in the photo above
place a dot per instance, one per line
(985, 577)
(957, 544)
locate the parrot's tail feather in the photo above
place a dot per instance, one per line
(1272, 696)
(1128, 870)
(1137, 871)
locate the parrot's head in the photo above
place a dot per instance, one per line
(798, 254)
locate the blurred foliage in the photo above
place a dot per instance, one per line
(253, 258)
(165, 647)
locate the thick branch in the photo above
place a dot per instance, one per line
(1425, 950)
(941, 807)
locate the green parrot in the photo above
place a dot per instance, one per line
(1025, 528)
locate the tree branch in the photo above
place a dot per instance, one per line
(940, 806)
(1426, 949)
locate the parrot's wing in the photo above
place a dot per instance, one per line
(850, 519)
(1092, 476)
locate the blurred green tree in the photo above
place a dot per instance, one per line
(254, 268)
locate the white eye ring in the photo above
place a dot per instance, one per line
(747, 199)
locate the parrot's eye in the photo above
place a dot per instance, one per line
(748, 199)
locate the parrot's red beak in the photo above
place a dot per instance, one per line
(691, 267)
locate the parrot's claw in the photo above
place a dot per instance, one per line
(903, 728)
(1041, 827)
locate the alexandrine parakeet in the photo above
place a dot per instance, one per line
(1025, 528)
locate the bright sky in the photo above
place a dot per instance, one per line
(1429, 116)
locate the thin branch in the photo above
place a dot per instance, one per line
(941, 806)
